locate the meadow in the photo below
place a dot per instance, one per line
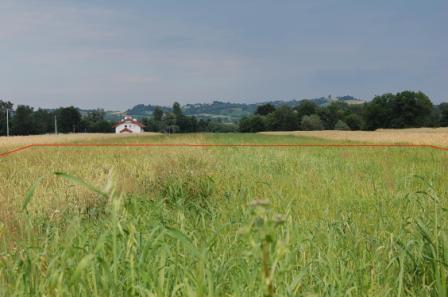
(222, 221)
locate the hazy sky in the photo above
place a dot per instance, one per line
(115, 54)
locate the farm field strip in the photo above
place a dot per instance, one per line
(205, 145)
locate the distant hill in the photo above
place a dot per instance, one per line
(231, 111)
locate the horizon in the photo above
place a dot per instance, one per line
(169, 105)
(211, 101)
(114, 55)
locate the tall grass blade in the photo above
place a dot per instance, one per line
(77, 181)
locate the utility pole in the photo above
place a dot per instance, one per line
(55, 125)
(7, 122)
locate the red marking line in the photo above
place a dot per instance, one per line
(334, 145)
(22, 148)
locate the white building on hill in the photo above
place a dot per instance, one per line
(128, 125)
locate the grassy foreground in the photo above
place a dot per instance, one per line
(223, 221)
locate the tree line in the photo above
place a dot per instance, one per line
(25, 120)
(401, 110)
(176, 121)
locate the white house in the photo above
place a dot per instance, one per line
(128, 125)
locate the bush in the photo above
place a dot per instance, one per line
(312, 122)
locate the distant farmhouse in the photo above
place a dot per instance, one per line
(128, 125)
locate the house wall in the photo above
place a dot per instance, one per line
(133, 127)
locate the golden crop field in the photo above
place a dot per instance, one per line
(431, 136)
(222, 221)
(7, 143)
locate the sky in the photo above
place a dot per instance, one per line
(115, 54)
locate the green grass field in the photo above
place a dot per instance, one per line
(224, 221)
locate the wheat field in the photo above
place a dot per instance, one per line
(222, 221)
(429, 136)
(7, 143)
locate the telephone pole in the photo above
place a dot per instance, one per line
(7, 122)
(55, 125)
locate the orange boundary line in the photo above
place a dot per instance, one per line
(22, 148)
(335, 145)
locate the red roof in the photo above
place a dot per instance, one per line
(128, 120)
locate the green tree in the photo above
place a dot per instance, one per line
(152, 125)
(354, 121)
(311, 123)
(332, 113)
(265, 109)
(254, 123)
(340, 125)
(169, 123)
(69, 119)
(192, 124)
(156, 122)
(306, 108)
(411, 109)
(402, 110)
(96, 115)
(43, 121)
(177, 110)
(95, 122)
(204, 125)
(102, 126)
(182, 122)
(158, 113)
(379, 112)
(23, 120)
(443, 114)
(283, 119)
